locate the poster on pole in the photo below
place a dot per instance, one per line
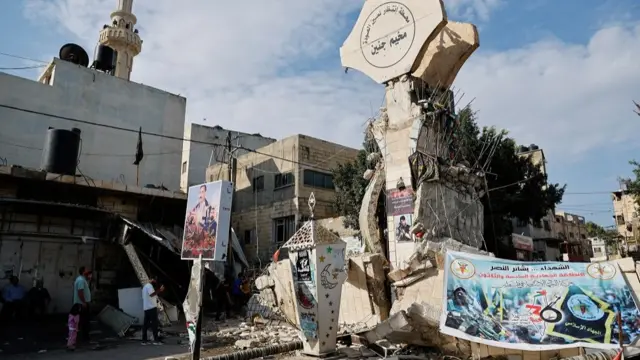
(207, 221)
(193, 302)
(537, 305)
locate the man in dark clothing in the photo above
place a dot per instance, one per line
(39, 300)
(223, 300)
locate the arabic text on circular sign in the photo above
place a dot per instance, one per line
(604, 271)
(582, 307)
(462, 269)
(387, 35)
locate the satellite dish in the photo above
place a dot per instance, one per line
(75, 54)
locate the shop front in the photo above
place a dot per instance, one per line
(523, 246)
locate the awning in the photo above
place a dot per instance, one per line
(164, 236)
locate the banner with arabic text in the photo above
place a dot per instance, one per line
(537, 305)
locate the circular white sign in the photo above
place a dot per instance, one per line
(603, 271)
(387, 34)
(462, 269)
(582, 307)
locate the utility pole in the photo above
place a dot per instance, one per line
(231, 175)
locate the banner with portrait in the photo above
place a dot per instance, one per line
(207, 221)
(537, 305)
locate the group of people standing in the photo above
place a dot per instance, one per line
(79, 321)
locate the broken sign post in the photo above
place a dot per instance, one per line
(192, 307)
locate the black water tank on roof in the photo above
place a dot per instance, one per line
(61, 150)
(522, 149)
(75, 54)
(105, 61)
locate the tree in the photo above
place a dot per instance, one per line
(517, 187)
(611, 237)
(348, 179)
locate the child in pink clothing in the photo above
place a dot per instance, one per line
(74, 320)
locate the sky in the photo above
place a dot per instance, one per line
(560, 74)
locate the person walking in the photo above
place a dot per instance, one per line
(150, 307)
(82, 296)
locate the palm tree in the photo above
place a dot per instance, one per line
(637, 109)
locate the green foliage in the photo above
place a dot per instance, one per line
(351, 185)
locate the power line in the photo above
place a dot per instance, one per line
(119, 128)
(23, 67)
(23, 58)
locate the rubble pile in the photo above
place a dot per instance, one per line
(245, 336)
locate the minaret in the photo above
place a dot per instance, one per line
(123, 38)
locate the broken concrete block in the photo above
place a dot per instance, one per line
(626, 265)
(246, 344)
(264, 282)
(395, 327)
(368, 174)
(424, 315)
(350, 353)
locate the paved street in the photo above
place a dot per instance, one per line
(132, 350)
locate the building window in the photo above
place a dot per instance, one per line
(583, 236)
(249, 236)
(258, 183)
(283, 180)
(521, 223)
(184, 167)
(546, 225)
(283, 228)
(620, 219)
(571, 235)
(558, 219)
(318, 179)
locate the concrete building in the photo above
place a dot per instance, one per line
(572, 230)
(208, 148)
(103, 106)
(625, 210)
(50, 225)
(599, 248)
(273, 188)
(546, 242)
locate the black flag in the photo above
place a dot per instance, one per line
(139, 152)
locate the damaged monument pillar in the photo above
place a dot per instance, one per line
(432, 193)
(318, 271)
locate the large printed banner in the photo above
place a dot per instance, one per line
(537, 305)
(207, 221)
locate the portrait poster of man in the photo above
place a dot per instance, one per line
(403, 227)
(206, 228)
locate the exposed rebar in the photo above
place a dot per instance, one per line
(258, 352)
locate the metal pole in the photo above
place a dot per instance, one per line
(195, 352)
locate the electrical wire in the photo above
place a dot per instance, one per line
(23, 67)
(23, 58)
(119, 128)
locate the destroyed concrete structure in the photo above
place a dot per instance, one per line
(432, 195)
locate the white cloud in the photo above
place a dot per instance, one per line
(241, 69)
(568, 98)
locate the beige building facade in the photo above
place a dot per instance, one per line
(273, 185)
(625, 210)
(572, 229)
